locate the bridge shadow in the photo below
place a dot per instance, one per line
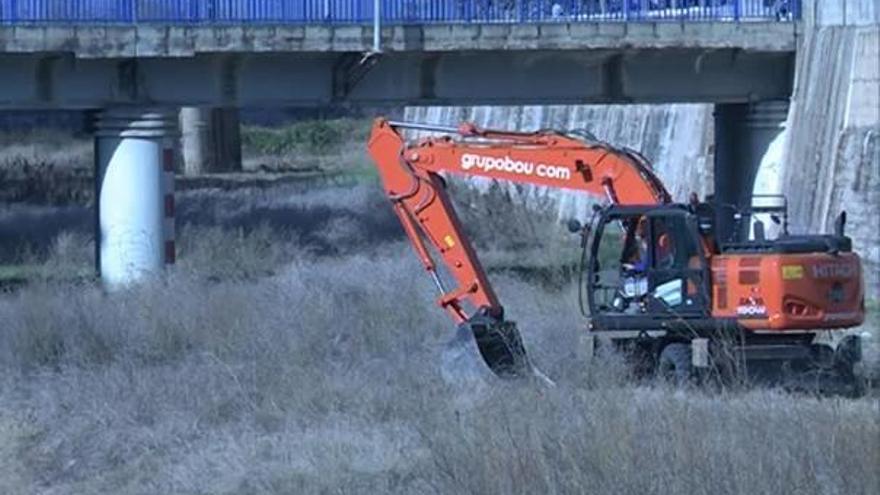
(327, 220)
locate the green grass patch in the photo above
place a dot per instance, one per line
(33, 272)
(316, 136)
(337, 146)
(19, 272)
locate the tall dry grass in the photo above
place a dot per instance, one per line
(333, 376)
(296, 349)
(45, 167)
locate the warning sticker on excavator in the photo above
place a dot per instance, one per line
(792, 272)
(449, 240)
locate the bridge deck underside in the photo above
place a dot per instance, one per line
(61, 80)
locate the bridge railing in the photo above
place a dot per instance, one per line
(392, 11)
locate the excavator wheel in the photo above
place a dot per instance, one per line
(674, 364)
(500, 346)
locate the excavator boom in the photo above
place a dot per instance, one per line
(410, 177)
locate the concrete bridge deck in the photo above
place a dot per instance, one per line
(53, 66)
(155, 40)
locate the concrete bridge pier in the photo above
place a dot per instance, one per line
(749, 142)
(210, 140)
(134, 181)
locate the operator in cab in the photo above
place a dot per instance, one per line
(634, 260)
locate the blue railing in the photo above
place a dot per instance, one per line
(392, 11)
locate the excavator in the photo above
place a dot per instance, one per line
(682, 288)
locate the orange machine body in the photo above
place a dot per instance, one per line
(788, 291)
(762, 291)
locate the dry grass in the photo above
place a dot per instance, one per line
(332, 376)
(60, 148)
(45, 167)
(296, 349)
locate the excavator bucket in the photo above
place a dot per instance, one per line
(500, 346)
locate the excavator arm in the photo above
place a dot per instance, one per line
(409, 173)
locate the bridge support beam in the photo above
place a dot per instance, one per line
(134, 180)
(748, 140)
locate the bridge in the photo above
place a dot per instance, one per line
(138, 59)
(391, 11)
(94, 53)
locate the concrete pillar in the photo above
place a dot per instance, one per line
(210, 140)
(134, 178)
(746, 135)
(768, 181)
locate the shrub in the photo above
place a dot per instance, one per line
(317, 136)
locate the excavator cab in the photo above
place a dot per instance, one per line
(646, 265)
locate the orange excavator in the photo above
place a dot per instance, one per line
(659, 279)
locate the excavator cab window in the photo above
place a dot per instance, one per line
(676, 276)
(619, 262)
(646, 263)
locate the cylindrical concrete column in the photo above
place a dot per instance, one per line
(747, 138)
(766, 123)
(193, 139)
(134, 165)
(210, 140)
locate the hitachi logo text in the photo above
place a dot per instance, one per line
(506, 164)
(838, 270)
